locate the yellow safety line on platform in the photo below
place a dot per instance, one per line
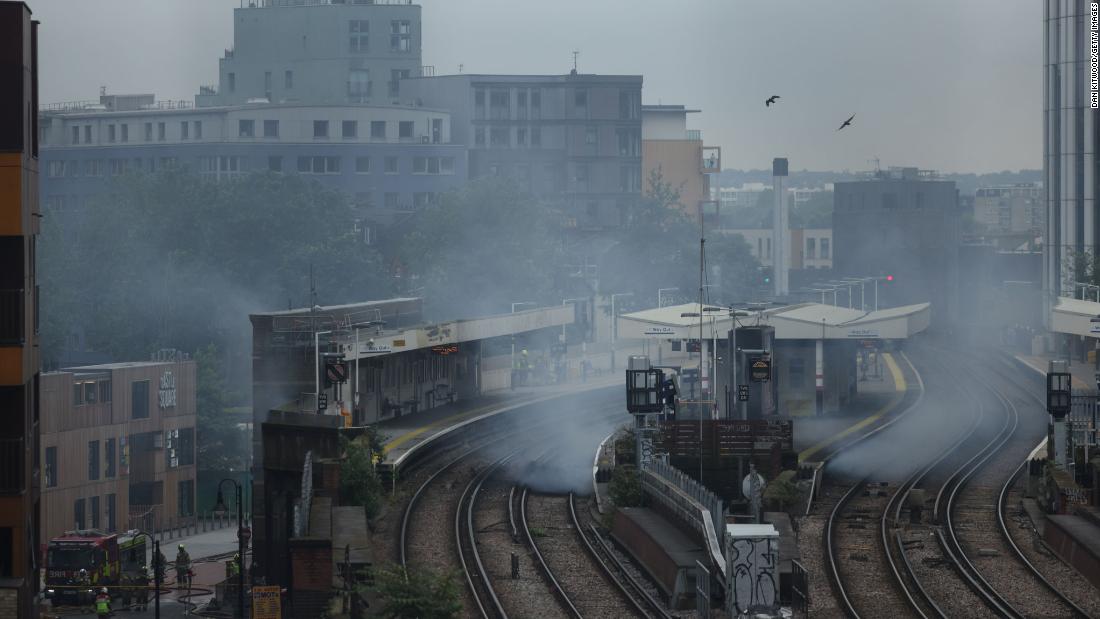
(899, 387)
(408, 436)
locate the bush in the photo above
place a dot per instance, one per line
(625, 487)
(415, 593)
(359, 482)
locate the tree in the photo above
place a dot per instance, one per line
(359, 481)
(483, 247)
(222, 445)
(417, 594)
(625, 487)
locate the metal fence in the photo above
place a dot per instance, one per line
(692, 503)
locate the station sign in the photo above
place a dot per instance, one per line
(761, 369)
(365, 348)
(445, 349)
(863, 334)
(742, 393)
(660, 331)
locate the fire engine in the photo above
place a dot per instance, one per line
(80, 562)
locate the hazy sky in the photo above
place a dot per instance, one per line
(953, 85)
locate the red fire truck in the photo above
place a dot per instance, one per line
(80, 562)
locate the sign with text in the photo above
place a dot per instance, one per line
(761, 370)
(166, 395)
(863, 334)
(266, 603)
(445, 349)
(742, 393)
(660, 331)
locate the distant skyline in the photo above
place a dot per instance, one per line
(941, 84)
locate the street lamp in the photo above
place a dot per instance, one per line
(660, 295)
(220, 509)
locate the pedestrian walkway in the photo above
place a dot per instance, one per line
(1084, 375)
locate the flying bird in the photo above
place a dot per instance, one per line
(846, 123)
(770, 100)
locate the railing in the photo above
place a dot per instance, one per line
(692, 503)
(256, 4)
(12, 318)
(67, 106)
(12, 462)
(695, 135)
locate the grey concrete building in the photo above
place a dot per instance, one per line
(1015, 208)
(903, 223)
(318, 51)
(575, 139)
(1070, 142)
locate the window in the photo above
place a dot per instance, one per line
(521, 136)
(76, 135)
(536, 136)
(446, 165)
(104, 391)
(185, 447)
(811, 248)
(580, 98)
(271, 128)
(319, 165)
(93, 460)
(824, 249)
(433, 165)
(405, 130)
(400, 36)
(109, 458)
(396, 75)
(267, 85)
(391, 165)
(479, 136)
(349, 129)
(166, 163)
(320, 129)
(629, 104)
(498, 136)
(630, 179)
(51, 467)
(117, 166)
(591, 136)
(148, 132)
(93, 167)
(536, 104)
(112, 520)
(187, 497)
(232, 79)
(422, 199)
(363, 199)
(390, 200)
(377, 129)
(198, 129)
(90, 392)
(420, 165)
(246, 128)
(630, 142)
(437, 130)
(110, 133)
(87, 134)
(500, 105)
(521, 105)
(362, 165)
(275, 163)
(78, 513)
(139, 399)
(184, 126)
(580, 172)
(55, 169)
(359, 83)
(160, 132)
(125, 129)
(93, 508)
(288, 80)
(358, 33)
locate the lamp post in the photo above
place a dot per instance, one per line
(220, 509)
(661, 295)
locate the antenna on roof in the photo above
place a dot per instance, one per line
(312, 288)
(460, 66)
(102, 91)
(575, 54)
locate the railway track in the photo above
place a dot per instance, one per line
(567, 554)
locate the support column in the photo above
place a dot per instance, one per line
(819, 375)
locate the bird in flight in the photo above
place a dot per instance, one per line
(846, 123)
(770, 100)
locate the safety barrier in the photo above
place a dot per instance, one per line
(690, 502)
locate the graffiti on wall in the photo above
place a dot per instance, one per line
(751, 568)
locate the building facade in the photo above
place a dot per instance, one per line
(19, 343)
(676, 153)
(1070, 143)
(575, 139)
(318, 52)
(1012, 208)
(903, 223)
(118, 447)
(811, 248)
(389, 160)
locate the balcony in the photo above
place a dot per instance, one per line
(12, 320)
(12, 463)
(694, 135)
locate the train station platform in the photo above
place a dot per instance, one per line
(1083, 373)
(875, 401)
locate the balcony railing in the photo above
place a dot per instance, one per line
(12, 320)
(12, 462)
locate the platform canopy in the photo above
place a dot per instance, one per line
(1073, 316)
(793, 322)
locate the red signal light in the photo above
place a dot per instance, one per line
(889, 278)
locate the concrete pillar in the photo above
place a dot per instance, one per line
(819, 376)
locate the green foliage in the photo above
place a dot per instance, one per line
(483, 247)
(169, 260)
(359, 482)
(783, 490)
(417, 594)
(625, 487)
(222, 445)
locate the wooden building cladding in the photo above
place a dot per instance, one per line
(118, 446)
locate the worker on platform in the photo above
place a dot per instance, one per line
(103, 603)
(141, 588)
(183, 567)
(233, 567)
